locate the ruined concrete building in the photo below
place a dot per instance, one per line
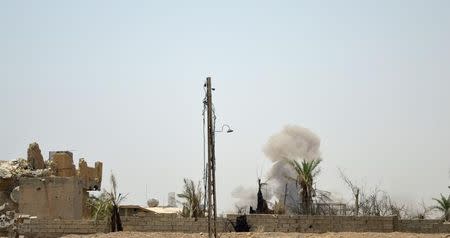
(52, 189)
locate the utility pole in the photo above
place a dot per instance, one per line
(212, 208)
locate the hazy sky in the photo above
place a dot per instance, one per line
(121, 82)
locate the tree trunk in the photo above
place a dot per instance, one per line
(113, 220)
(116, 223)
(357, 203)
(305, 198)
(118, 220)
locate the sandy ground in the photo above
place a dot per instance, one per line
(262, 235)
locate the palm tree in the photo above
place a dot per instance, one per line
(443, 206)
(116, 199)
(192, 195)
(106, 206)
(306, 171)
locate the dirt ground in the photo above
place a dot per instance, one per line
(261, 235)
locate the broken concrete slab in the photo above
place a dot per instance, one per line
(34, 158)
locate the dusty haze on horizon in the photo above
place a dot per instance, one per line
(121, 82)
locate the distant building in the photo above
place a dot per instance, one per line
(136, 210)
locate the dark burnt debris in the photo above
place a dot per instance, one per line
(261, 207)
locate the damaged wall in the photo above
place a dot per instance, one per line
(90, 177)
(52, 197)
(48, 189)
(62, 164)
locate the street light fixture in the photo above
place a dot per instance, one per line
(229, 130)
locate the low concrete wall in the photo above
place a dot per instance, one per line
(267, 223)
(171, 223)
(43, 228)
(423, 226)
(318, 224)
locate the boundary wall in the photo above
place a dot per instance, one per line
(42, 228)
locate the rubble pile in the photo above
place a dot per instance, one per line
(15, 169)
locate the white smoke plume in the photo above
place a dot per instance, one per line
(244, 197)
(293, 142)
(247, 196)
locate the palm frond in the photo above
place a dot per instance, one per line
(306, 172)
(443, 206)
(192, 195)
(113, 182)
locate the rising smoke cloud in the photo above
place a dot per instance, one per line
(293, 142)
(247, 196)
